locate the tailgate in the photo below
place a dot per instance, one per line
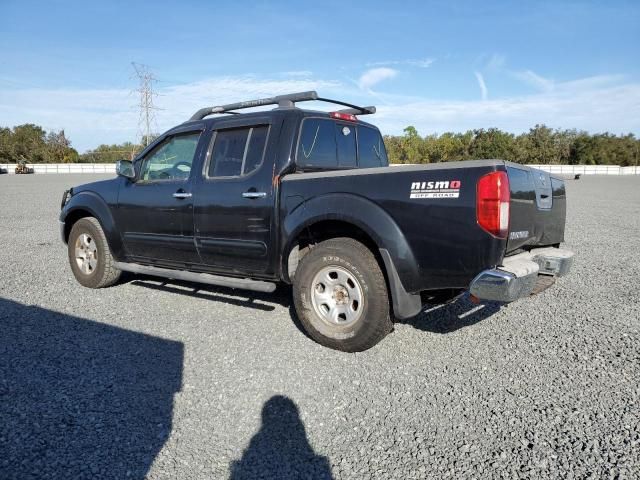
(537, 208)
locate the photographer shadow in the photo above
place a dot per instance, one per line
(280, 449)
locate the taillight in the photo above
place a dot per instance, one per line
(492, 203)
(344, 116)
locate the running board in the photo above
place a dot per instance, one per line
(231, 282)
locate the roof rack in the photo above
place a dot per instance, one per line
(283, 101)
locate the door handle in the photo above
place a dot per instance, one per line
(254, 194)
(181, 195)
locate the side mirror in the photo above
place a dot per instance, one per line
(124, 168)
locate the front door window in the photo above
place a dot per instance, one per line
(171, 160)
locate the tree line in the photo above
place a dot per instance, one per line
(540, 145)
(32, 144)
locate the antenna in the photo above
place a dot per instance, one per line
(147, 108)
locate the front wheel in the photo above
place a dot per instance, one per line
(340, 296)
(89, 255)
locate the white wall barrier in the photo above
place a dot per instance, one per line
(111, 168)
(578, 169)
(589, 169)
(65, 167)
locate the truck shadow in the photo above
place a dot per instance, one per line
(442, 319)
(241, 298)
(263, 301)
(81, 399)
(280, 449)
(448, 318)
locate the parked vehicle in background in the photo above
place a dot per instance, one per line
(3, 170)
(307, 198)
(23, 168)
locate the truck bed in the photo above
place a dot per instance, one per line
(434, 208)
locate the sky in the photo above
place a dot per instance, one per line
(438, 65)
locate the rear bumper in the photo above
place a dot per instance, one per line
(518, 275)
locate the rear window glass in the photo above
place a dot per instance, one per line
(371, 148)
(325, 143)
(317, 146)
(346, 142)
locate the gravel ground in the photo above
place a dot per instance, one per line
(177, 381)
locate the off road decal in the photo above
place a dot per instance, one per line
(435, 189)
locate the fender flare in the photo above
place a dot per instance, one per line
(399, 260)
(94, 204)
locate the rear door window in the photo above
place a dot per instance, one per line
(237, 151)
(255, 149)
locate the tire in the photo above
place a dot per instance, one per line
(329, 279)
(89, 255)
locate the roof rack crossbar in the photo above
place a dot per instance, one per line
(359, 111)
(353, 109)
(283, 101)
(280, 100)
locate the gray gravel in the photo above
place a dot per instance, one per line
(172, 381)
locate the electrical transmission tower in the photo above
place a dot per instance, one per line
(147, 108)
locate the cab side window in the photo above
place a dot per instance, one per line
(237, 152)
(171, 159)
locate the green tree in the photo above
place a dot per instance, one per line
(111, 153)
(410, 146)
(492, 143)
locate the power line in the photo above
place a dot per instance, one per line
(147, 109)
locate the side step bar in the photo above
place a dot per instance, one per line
(231, 282)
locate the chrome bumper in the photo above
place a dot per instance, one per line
(518, 275)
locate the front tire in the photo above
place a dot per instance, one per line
(89, 255)
(340, 296)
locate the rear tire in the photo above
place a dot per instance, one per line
(89, 255)
(340, 296)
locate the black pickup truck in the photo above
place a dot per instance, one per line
(248, 200)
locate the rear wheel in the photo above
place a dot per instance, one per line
(340, 296)
(89, 255)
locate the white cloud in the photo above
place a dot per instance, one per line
(595, 104)
(424, 63)
(595, 82)
(298, 73)
(374, 76)
(94, 116)
(537, 81)
(483, 86)
(413, 62)
(496, 62)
